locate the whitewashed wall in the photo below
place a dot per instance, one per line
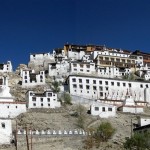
(5, 131)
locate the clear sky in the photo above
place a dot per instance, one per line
(30, 26)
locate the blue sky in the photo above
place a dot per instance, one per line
(30, 26)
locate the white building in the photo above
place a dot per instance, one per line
(9, 108)
(112, 72)
(59, 68)
(144, 72)
(39, 58)
(30, 78)
(82, 67)
(103, 110)
(5, 131)
(143, 121)
(76, 54)
(48, 99)
(109, 53)
(108, 89)
(6, 67)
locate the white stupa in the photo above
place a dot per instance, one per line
(5, 95)
(129, 100)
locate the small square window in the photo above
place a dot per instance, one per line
(101, 93)
(94, 81)
(48, 104)
(80, 80)
(103, 108)
(112, 83)
(41, 104)
(81, 86)
(3, 125)
(34, 104)
(74, 86)
(87, 80)
(129, 84)
(100, 82)
(41, 99)
(96, 108)
(124, 84)
(48, 99)
(109, 109)
(49, 94)
(118, 83)
(33, 98)
(73, 80)
(101, 88)
(106, 82)
(87, 87)
(94, 88)
(141, 86)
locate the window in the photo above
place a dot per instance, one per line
(41, 80)
(124, 84)
(33, 98)
(41, 104)
(101, 93)
(81, 69)
(41, 99)
(81, 86)
(80, 80)
(31, 93)
(106, 82)
(54, 99)
(81, 65)
(48, 99)
(48, 104)
(25, 77)
(34, 104)
(94, 81)
(3, 125)
(146, 85)
(87, 80)
(88, 71)
(74, 65)
(106, 88)
(88, 66)
(16, 106)
(96, 108)
(141, 86)
(7, 106)
(100, 82)
(109, 109)
(112, 83)
(101, 88)
(50, 94)
(118, 83)
(73, 80)
(25, 81)
(94, 87)
(74, 86)
(129, 84)
(87, 87)
(103, 108)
